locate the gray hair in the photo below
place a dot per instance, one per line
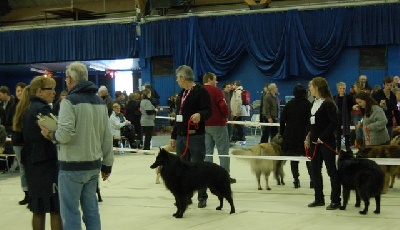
(186, 72)
(103, 89)
(77, 71)
(340, 84)
(271, 86)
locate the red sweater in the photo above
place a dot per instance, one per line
(220, 109)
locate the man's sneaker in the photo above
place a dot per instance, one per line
(232, 180)
(202, 204)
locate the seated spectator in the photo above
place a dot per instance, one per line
(120, 126)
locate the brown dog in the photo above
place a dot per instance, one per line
(259, 166)
(383, 151)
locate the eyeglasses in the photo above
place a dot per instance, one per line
(48, 88)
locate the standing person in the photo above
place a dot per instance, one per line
(359, 142)
(148, 111)
(193, 109)
(39, 155)
(216, 130)
(155, 98)
(237, 113)
(227, 91)
(271, 110)
(134, 115)
(18, 140)
(344, 103)
(263, 116)
(322, 142)
(103, 93)
(85, 149)
(373, 120)
(7, 102)
(56, 106)
(387, 101)
(362, 79)
(121, 100)
(293, 128)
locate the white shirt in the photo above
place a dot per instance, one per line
(316, 105)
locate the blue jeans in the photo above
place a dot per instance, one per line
(196, 152)
(74, 188)
(218, 136)
(24, 185)
(359, 132)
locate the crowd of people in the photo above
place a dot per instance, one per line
(312, 123)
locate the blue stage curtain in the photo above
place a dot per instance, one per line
(106, 41)
(282, 44)
(375, 25)
(219, 43)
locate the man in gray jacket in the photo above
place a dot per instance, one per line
(84, 135)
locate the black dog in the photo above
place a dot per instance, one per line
(182, 178)
(362, 175)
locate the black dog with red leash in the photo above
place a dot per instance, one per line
(362, 175)
(183, 178)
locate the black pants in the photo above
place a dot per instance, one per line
(294, 167)
(148, 134)
(323, 154)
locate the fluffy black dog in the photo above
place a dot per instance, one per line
(182, 178)
(362, 175)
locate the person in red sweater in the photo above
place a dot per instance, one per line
(216, 128)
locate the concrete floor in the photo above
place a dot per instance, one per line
(132, 200)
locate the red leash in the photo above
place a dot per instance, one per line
(307, 149)
(196, 126)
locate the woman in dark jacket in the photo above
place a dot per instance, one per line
(39, 155)
(133, 114)
(295, 118)
(322, 142)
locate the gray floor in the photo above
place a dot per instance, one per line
(132, 200)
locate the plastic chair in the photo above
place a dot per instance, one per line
(255, 118)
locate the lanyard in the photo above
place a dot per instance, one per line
(184, 96)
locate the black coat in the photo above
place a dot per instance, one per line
(295, 118)
(197, 101)
(326, 122)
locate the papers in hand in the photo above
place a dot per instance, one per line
(48, 121)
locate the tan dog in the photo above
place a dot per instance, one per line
(170, 149)
(384, 151)
(259, 166)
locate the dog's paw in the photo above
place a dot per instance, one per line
(259, 188)
(219, 208)
(158, 182)
(268, 188)
(377, 211)
(357, 205)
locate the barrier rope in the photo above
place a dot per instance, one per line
(196, 126)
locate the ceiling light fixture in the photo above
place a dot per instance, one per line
(97, 68)
(38, 70)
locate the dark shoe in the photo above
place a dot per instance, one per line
(233, 180)
(333, 206)
(316, 203)
(202, 204)
(24, 201)
(296, 184)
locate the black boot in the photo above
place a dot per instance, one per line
(25, 200)
(296, 183)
